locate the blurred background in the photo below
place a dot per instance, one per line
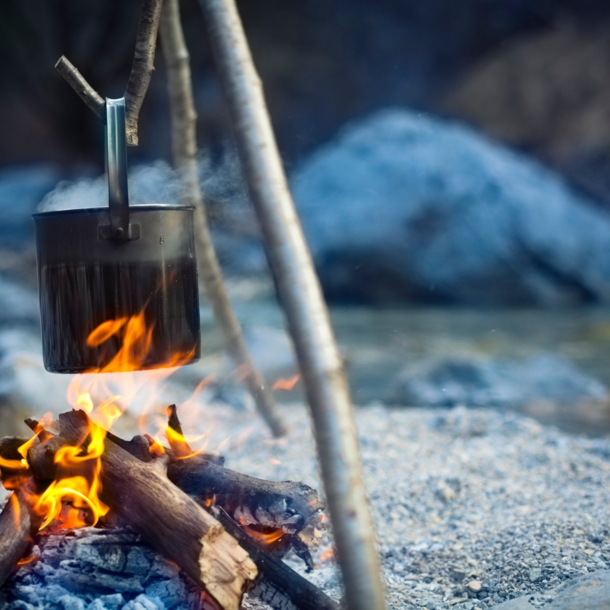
(449, 162)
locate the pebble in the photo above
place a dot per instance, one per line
(535, 574)
(475, 586)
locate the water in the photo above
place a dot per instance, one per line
(378, 343)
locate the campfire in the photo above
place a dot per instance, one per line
(225, 531)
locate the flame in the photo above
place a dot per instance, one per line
(104, 331)
(262, 537)
(73, 499)
(26, 560)
(285, 384)
(326, 555)
(81, 491)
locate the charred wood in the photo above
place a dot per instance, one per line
(278, 584)
(18, 524)
(140, 493)
(262, 506)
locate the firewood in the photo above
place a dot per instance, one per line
(292, 507)
(278, 584)
(18, 524)
(173, 523)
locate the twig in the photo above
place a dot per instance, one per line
(143, 67)
(184, 147)
(85, 91)
(139, 78)
(301, 296)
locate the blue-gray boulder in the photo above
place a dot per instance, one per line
(403, 207)
(487, 382)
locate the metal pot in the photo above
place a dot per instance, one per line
(101, 264)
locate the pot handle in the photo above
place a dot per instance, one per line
(116, 167)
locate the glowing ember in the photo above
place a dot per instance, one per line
(263, 537)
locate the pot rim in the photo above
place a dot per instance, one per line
(145, 207)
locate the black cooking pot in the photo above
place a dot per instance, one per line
(98, 265)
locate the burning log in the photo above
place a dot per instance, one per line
(145, 485)
(18, 525)
(284, 515)
(164, 515)
(278, 584)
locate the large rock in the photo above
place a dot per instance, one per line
(487, 382)
(404, 207)
(589, 592)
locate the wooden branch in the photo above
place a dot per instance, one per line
(184, 147)
(143, 67)
(261, 505)
(167, 518)
(301, 296)
(17, 526)
(278, 584)
(84, 90)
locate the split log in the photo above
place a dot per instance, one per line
(266, 508)
(278, 584)
(166, 517)
(262, 506)
(18, 525)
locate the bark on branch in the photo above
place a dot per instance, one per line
(139, 78)
(84, 90)
(143, 67)
(184, 147)
(299, 290)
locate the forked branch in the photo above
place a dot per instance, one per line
(139, 78)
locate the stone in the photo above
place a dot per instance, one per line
(475, 586)
(403, 207)
(535, 574)
(589, 592)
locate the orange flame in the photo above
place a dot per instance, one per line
(262, 537)
(81, 491)
(286, 384)
(73, 499)
(104, 331)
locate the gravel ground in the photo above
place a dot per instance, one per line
(472, 507)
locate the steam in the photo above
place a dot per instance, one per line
(156, 183)
(221, 183)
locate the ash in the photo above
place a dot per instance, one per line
(473, 507)
(97, 569)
